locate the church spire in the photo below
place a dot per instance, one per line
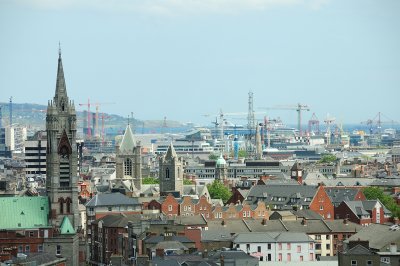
(61, 90)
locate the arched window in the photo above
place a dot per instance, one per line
(128, 167)
(68, 202)
(167, 173)
(61, 201)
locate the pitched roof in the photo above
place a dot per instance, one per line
(111, 199)
(128, 141)
(24, 212)
(378, 235)
(66, 227)
(359, 250)
(171, 153)
(339, 194)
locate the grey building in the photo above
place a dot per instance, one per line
(171, 172)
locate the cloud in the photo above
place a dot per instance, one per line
(172, 7)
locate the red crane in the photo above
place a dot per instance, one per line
(89, 129)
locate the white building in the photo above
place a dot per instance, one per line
(277, 246)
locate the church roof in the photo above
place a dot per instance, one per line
(24, 212)
(128, 141)
(66, 227)
(171, 152)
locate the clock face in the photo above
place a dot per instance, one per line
(64, 152)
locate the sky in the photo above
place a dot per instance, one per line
(188, 59)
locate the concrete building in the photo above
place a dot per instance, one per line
(35, 157)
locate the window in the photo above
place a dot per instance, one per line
(321, 208)
(269, 257)
(128, 167)
(31, 233)
(20, 249)
(311, 245)
(289, 257)
(298, 249)
(40, 248)
(280, 246)
(385, 260)
(27, 248)
(170, 208)
(353, 263)
(109, 209)
(369, 262)
(58, 251)
(301, 258)
(318, 246)
(327, 237)
(328, 246)
(269, 246)
(311, 256)
(288, 246)
(248, 246)
(244, 214)
(317, 237)
(167, 173)
(334, 236)
(185, 208)
(280, 257)
(258, 248)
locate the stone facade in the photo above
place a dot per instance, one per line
(171, 172)
(62, 155)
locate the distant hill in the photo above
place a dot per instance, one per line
(34, 116)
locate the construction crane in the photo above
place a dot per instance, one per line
(313, 124)
(298, 108)
(89, 129)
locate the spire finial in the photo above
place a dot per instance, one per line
(59, 49)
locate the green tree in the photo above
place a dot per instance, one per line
(212, 157)
(373, 193)
(187, 181)
(217, 190)
(242, 154)
(328, 158)
(150, 180)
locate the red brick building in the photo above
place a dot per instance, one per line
(322, 204)
(363, 212)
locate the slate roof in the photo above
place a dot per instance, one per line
(232, 226)
(111, 199)
(359, 250)
(158, 239)
(307, 214)
(190, 220)
(24, 212)
(118, 220)
(339, 194)
(360, 208)
(386, 182)
(270, 194)
(216, 235)
(378, 235)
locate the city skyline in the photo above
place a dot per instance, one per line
(184, 59)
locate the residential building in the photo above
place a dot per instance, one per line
(277, 246)
(363, 212)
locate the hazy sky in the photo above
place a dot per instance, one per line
(186, 58)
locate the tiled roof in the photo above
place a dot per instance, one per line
(24, 212)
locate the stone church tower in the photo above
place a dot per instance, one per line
(61, 176)
(129, 162)
(171, 172)
(61, 155)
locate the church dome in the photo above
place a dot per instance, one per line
(221, 161)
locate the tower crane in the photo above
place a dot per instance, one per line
(97, 105)
(298, 108)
